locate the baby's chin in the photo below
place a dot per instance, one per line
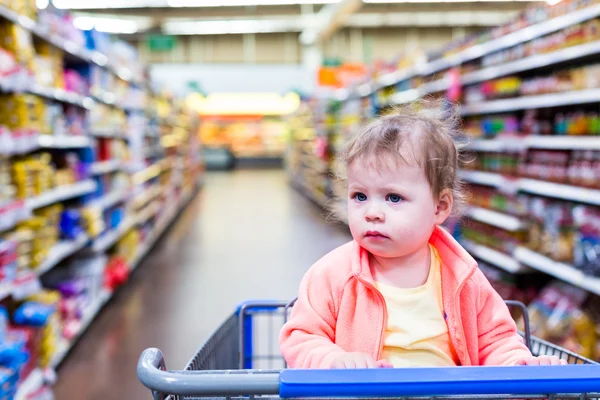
(381, 250)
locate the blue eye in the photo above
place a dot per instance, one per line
(360, 196)
(394, 198)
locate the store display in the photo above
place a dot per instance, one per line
(74, 129)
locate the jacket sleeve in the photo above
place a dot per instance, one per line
(307, 340)
(499, 340)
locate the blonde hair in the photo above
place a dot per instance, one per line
(423, 133)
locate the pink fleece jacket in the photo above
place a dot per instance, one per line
(340, 310)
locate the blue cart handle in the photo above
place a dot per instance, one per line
(521, 380)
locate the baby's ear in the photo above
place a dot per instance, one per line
(444, 206)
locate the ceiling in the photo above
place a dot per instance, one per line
(315, 20)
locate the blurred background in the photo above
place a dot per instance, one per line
(162, 161)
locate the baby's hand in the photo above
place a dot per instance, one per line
(358, 361)
(541, 360)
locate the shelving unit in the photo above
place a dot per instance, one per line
(494, 257)
(532, 102)
(564, 272)
(115, 122)
(105, 241)
(495, 218)
(106, 167)
(61, 194)
(534, 186)
(61, 251)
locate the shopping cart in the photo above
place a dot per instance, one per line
(241, 361)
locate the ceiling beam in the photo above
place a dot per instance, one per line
(328, 20)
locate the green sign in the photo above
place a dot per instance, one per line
(161, 42)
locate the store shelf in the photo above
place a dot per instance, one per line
(512, 39)
(516, 144)
(148, 173)
(110, 199)
(533, 102)
(495, 218)
(61, 251)
(563, 142)
(560, 191)
(482, 178)
(494, 257)
(532, 62)
(107, 133)
(106, 167)
(12, 214)
(108, 239)
(146, 195)
(63, 142)
(61, 193)
(93, 310)
(62, 96)
(69, 47)
(564, 272)
(437, 86)
(534, 186)
(31, 384)
(147, 213)
(405, 96)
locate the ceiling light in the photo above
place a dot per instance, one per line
(241, 3)
(89, 4)
(224, 27)
(443, 1)
(42, 4)
(109, 25)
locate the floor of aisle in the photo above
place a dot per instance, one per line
(246, 235)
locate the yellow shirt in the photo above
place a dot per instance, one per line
(417, 334)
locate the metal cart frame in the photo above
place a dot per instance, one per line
(223, 368)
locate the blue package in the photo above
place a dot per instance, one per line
(33, 314)
(70, 224)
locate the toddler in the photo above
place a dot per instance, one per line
(403, 293)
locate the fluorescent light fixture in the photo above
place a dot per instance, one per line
(240, 26)
(109, 25)
(242, 3)
(104, 4)
(445, 1)
(42, 4)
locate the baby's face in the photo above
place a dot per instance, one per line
(391, 210)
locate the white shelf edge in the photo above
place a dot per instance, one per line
(562, 271)
(63, 142)
(495, 218)
(61, 95)
(534, 186)
(61, 193)
(32, 383)
(531, 62)
(61, 251)
(110, 199)
(494, 257)
(560, 191)
(532, 102)
(481, 177)
(109, 238)
(105, 167)
(514, 38)
(516, 144)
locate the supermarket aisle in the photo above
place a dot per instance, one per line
(246, 235)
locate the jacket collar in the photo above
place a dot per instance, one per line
(458, 263)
